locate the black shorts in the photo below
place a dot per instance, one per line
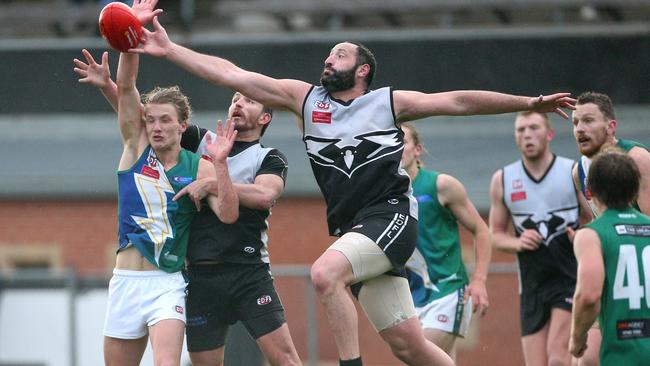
(395, 233)
(536, 304)
(218, 295)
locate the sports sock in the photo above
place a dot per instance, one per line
(352, 362)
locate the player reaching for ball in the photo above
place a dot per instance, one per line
(147, 291)
(354, 143)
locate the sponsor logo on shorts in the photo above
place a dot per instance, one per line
(249, 250)
(179, 309)
(443, 318)
(266, 299)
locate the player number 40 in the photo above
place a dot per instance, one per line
(627, 268)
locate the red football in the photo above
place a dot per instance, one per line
(119, 26)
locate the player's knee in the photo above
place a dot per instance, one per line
(322, 278)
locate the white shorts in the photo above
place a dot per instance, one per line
(140, 299)
(448, 314)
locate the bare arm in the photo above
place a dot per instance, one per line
(129, 111)
(452, 194)
(642, 159)
(226, 204)
(262, 194)
(589, 287)
(275, 93)
(502, 239)
(412, 105)
(585, 210)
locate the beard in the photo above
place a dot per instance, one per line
(338, 80)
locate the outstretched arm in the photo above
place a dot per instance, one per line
(129, 111)
(589, 288)
(97, 75)
(412, 105)
(452, 194)
(285, 94)
(502, 238)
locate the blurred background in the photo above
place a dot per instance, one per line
(59, 144)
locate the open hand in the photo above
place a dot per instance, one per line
(154, 43)
(553, 103)
(220, 147)
(91, 72)
(144, 10)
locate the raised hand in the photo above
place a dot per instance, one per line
(553, 103)
(92, 73)
(154, 43)
(144, 10)
(220, 147)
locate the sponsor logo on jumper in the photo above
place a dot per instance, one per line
(152, 160)
(150, 172)
(633, 230)
(266, 299)
(393, 201)
(352, 152)
(321, 117)
(321, 105)
(518, 196)
(517, 184)
(182, 180)
(249, 250)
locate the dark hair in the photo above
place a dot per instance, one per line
(364, 56)
(614, 179)
(268, 110)
(603, 102)
(170, 95)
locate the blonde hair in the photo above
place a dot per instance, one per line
(170, 95)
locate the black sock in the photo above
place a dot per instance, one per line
(352, 362)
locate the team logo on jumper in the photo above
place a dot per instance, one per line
(321, 105)
(179, 309)
(351, 153)
(549, 225)
(266, 299)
